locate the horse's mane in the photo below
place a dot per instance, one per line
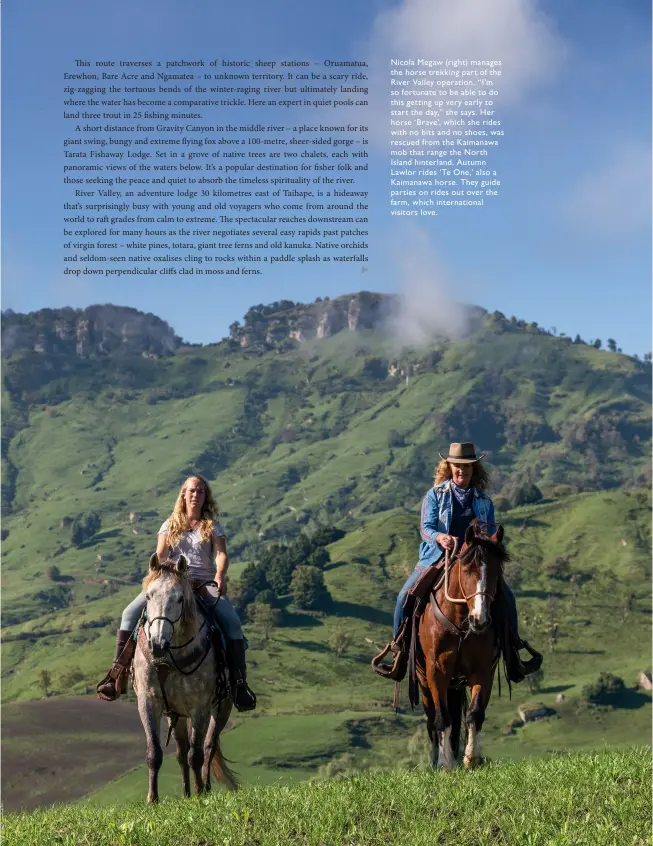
(168, 569)
(482, 545)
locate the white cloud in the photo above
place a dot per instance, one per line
(616, 198)
(516, 32)
(426, 308)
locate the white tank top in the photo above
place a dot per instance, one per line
(199, 553)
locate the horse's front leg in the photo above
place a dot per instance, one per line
(150, 714)
(438, 675)
(209, 751)
(429, 711)
(183, 746)
(198, 731)
(481, 685)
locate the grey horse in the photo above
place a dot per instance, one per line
(175, 673)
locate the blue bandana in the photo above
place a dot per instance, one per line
(463, 495)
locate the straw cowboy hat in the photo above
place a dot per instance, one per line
(462, 454)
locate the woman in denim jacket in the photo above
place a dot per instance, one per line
(456, 498)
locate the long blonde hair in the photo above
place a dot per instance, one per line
(178, 520)
(480, 479)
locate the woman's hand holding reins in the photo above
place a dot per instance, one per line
(445, 541)
(221, 582)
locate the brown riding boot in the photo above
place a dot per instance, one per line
(242, 696)
(115, 682)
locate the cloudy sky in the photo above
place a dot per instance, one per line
(567, 243)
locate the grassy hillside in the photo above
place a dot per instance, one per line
(598, 800)
(341, 431)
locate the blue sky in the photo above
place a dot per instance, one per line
(567, 243)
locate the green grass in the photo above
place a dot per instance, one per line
(598, 800)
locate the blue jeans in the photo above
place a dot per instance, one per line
(400, 616)
(223, 610)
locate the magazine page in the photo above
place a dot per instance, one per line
(326, 422)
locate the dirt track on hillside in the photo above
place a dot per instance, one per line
(58, 749)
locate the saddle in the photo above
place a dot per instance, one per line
(400, 646)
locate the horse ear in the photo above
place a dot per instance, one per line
(182, 564)
(499, 535)
(469, 534)
(154, 562)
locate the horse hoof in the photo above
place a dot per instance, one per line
(472, 763)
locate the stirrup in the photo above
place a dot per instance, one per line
(535, 661)
(104, 696)
(116, 674)
(239, 688)
(395, 671)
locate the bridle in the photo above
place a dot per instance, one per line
(449, 560)
(167, 619)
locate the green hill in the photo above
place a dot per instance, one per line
(343, 431)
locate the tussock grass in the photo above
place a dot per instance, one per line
(571, 799)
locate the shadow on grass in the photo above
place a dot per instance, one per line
(581, 651)
(334, 565)
(360, 612)
(558, 688)
(309, 645)
(537, 594)
(297, 620)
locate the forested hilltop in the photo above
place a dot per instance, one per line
(319, 430)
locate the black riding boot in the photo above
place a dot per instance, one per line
(243, 698)
(511, 643)
(114, 683)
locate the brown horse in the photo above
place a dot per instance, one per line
(175, 673)
(460, 646)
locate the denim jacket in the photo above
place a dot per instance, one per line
(437, 508)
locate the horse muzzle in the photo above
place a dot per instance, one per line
(479, 626)
(158, 646)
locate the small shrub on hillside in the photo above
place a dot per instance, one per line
(84, 527)
(501, 503)
(290, 476)
(559, 491)
(606, 690)
(340, 641)
(53, 572)
(45, 681)
(534, 681)
(395, 439)
(526, 495)
(267, 597)
(375, 368)
(319, 558)
(55, 598)
(308, 589)
(559, 569)
(263, 615)
(513, 573)
(70, 677)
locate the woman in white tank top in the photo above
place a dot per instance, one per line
(193, 529)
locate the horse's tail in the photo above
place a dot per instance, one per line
(221, 771)
(457, 707)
